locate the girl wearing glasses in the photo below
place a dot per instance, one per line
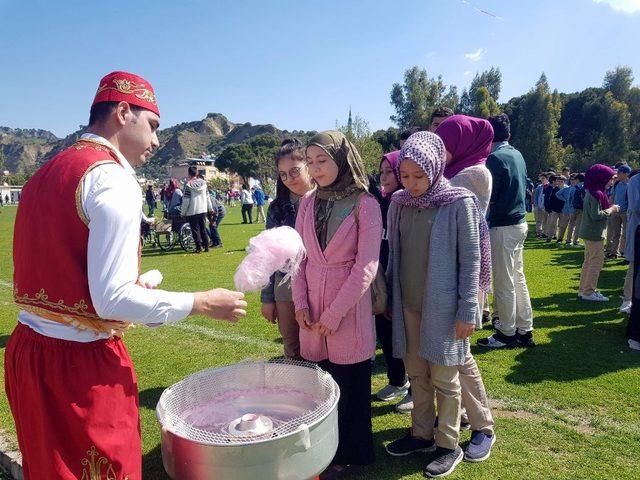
(292, 184)
(341, 226)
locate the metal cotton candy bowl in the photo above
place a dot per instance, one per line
(253, 420)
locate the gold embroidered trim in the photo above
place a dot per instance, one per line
(41, 298)
(128, 87)
(93, 463)
(76, 316)
(79, 188)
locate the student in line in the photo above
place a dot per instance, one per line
(597, 210)
(539, 213)
(341, 226)
(398, 386)
(555, 205)
(577, 203)
(438, 261)
(292, 184)
(566, 195)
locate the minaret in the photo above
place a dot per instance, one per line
(350, 121)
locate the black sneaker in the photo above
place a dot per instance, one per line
(498, 340)
(526, 339)
(486, 317)
(408, 445)
(444, 462)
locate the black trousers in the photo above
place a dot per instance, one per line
(199, 230)
(395, 366)
(355, 433)
(633, 327)
(246, 209)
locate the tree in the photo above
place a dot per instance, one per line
(537, 136)
(418, 96)
(481, 98)
(359, 134)
(388, 139)
(619, 82)
(613, 145)
(251, 158)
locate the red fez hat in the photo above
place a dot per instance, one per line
(127, 87)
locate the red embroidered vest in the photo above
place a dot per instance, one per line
(51, 237)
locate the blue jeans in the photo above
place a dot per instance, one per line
(213, 231)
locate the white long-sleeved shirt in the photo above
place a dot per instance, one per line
(112, 202)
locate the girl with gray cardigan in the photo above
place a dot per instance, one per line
(438, 260)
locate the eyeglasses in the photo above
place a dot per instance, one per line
(293, 173)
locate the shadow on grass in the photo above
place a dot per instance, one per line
(149, 398)
(152, 467)
(579, 353)
(3, 340)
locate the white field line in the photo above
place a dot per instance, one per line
(6, 284)
(234, 337)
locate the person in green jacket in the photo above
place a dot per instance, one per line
(595, 213)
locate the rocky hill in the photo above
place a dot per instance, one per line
(24, 150)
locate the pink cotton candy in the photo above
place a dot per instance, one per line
(277, 249)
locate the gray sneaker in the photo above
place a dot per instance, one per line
(479, 447)
(444, 462)
(391, 392)
(405, 405)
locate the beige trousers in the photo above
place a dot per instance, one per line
(474, 396)
(616, 233)
(429, 380)
(510, 292)
(541, 217)
(627, 291)
(552, 224)
(574, 226)
(289, 329)
(563, 223)
(591, 267)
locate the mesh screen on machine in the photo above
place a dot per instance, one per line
(201, 387)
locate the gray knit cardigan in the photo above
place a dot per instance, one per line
(451, 286)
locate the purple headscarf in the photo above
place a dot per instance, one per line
(595, 180)
(394, 162)
(427, 151)
(467, 139)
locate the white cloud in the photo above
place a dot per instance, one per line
(467, 73)
(476, 56)
(624, 6)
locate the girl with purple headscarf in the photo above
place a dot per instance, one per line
(438, 260)
(596, 210)
(467, 141)
(398, 384)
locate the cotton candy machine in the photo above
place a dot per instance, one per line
(254, 420)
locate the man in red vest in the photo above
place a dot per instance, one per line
(69, 379)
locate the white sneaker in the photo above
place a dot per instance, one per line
(595, 297)
(625, 307)
(390, 392)
(634, 345)
(405, 405)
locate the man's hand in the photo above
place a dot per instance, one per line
(270, 312)
(464, 330)
(614, 209)
(302, 317)
(220, 303)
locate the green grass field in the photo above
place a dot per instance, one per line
(567, 409)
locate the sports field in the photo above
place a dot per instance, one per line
(567, 409)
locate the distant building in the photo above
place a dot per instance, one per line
(12, 192)
(206, 168)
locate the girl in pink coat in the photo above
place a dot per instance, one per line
(341, 226)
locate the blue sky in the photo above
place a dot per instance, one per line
(296, 64)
